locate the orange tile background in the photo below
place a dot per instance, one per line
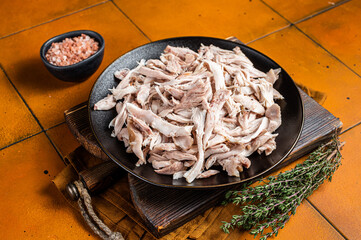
(247, 20)
(20, 15)
(338, 31)
(297, 10)
(47, 96)
(16, 121)
(321, 51)
(316, 69)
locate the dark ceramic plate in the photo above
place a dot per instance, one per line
(289, 131)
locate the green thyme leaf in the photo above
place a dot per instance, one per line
(276, 198)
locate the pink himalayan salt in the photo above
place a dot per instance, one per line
(71, 50)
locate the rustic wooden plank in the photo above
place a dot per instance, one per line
(77, 119)
(165, 209)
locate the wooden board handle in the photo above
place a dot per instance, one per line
(96, 178)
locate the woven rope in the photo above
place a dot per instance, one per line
(91, 218)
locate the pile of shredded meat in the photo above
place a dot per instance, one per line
(187, 112)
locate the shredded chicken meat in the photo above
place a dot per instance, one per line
(191, 114)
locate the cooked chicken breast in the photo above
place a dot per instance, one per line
(189, 113)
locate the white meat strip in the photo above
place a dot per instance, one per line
(219, 98)
(120, 93)
(262, 128)
(192, 150)
(221, 148)
(272, 75)
(174, 101)
(273, 113)
(221, 129)
(189, 163)
(208, 173)
(193, 97)
(184, 142)
(165, 147)
(179, 156)
(179, 118)
(170, 170)
(249, 103)
(217, 139)
(135, 142)
(217, 71)
(175, 92)
(173, 65)
(246, 119)
(164, 99)
(118, 108)
(126, 80)
(154, 73)
(238, 149)
(256, 143)
(248, 91)
(119, 120)
(121, 73)
(268, 147)
(232, 107)
(198, 118)
(277, 95)
(233, 165)
(106, 103)
(155, 63)
(161, 164)
(180, 51)
(155, 106)
(165, 111)
(178, 175)
(266, 93)
(141, 126)
(123, 135)
(155, 139)
(164, 127)
(156, 157)
(186, 113)
(143, 94)
(239, 52)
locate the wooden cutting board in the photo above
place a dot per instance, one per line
(165, 209)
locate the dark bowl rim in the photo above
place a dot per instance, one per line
(216, 186)
(61, 37)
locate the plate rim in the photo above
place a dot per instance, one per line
(241, 181)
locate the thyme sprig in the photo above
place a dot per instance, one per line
(271, 203)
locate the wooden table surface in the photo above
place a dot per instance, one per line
(317, 42)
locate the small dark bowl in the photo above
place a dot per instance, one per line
(80, 71)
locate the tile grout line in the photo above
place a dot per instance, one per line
(327, 51)
(321, 11)
(54, 146)
(328, 221)
(56, 125)
(318, 44)
(54, 19)
(23, 139)
(350, 128)
(30, 110)
(145, 35)
(268, 34)
(22, 98)
(32, 135)
(309, 16)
